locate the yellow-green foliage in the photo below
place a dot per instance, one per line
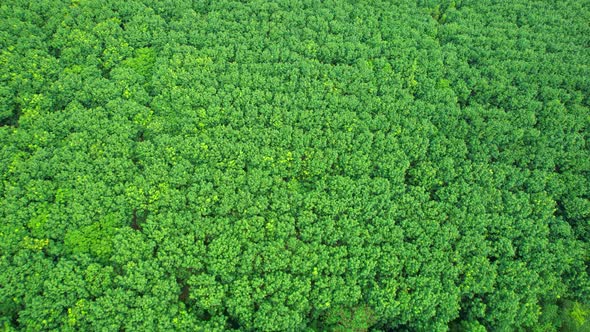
(95, 239)
(576, 317)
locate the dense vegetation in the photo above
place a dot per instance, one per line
(294, 165)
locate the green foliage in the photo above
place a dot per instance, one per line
(576, 317)
(143, 62)
(356, 319)
(294, 165)
(95, 239)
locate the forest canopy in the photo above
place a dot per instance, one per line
(295, 165)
